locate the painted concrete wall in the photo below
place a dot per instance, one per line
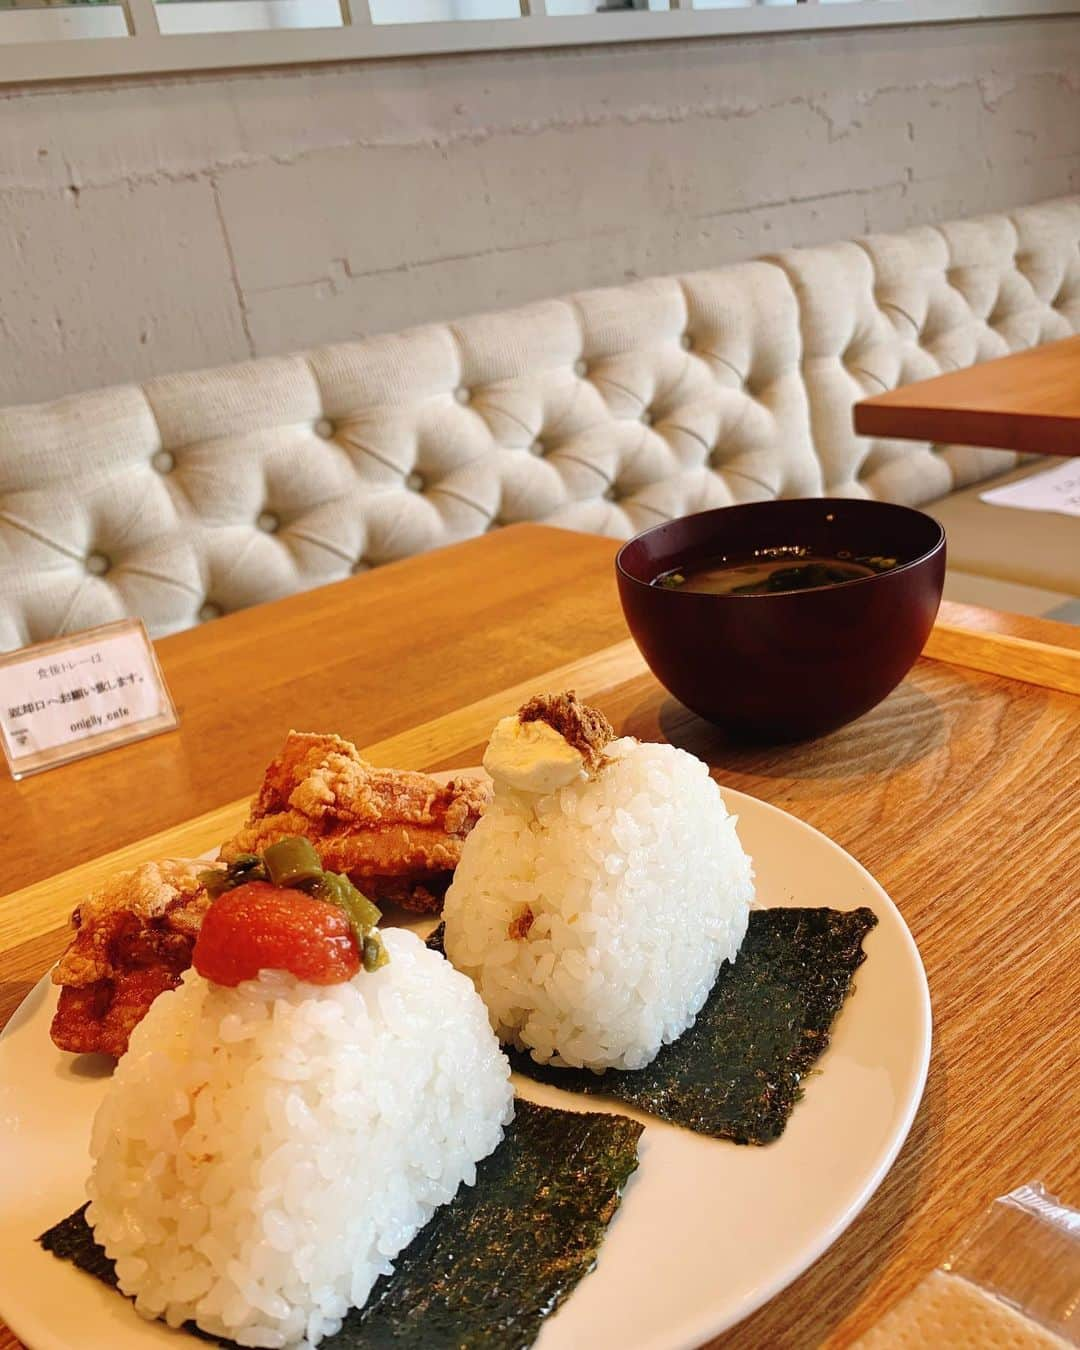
(160, 225)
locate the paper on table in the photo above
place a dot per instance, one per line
(1012, 1283)
(949, 1313)
(1057, 489)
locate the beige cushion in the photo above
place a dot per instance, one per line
(205, 492)
(971, 588)
(890, 309)
(1038, 549)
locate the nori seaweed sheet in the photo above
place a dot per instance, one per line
(737, 1072)
(493, 1263)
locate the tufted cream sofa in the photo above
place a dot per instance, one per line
(200, 493)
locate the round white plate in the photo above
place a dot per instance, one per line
(707, 1231)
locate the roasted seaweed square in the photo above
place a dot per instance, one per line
(738, 1071)
(493, 1263)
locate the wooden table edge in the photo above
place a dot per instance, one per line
(1034, 651)
(1010, 402)
(29, 913)
(1046, 433)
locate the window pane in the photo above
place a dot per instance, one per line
(40, 21)
(436, 11)
(739, 4)
(242, 16)
(602, 6)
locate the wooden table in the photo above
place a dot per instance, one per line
(958, 792)
(1026, 402)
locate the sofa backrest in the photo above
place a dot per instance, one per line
(890, 309)
(196, 494)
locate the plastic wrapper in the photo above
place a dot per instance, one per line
(1013, 1282)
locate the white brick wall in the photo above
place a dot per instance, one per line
(155, 225)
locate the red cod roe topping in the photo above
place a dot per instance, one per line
(258, 926)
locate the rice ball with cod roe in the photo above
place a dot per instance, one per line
(267, 1147)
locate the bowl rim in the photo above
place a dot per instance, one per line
(859, 502)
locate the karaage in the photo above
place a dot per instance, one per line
(133, 940)
(396, 834)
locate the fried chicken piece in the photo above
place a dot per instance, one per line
(133, 940)
(395, 833)
(585, 728)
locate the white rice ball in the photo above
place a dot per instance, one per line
(265, 1152)
(593, 921)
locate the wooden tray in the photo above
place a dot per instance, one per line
(959, 794)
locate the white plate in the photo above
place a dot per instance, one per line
(707, 1231)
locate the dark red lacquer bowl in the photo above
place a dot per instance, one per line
(794, 665)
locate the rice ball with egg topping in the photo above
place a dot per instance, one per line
(595, 901)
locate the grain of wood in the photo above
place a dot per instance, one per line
(439, 742)
(958, 792)
(1027, 402)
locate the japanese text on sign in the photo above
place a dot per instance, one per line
(106, 680)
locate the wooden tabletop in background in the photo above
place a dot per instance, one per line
(958, 792)
(1026, 402)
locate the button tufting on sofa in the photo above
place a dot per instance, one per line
(97, 564)
(209, 611)
(763, 410)
(268, 522)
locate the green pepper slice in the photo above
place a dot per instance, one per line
(338, 889)
(375, 955)
(292, 861)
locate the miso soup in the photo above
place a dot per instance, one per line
(772, 571)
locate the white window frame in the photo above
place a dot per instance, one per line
(40, 51)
